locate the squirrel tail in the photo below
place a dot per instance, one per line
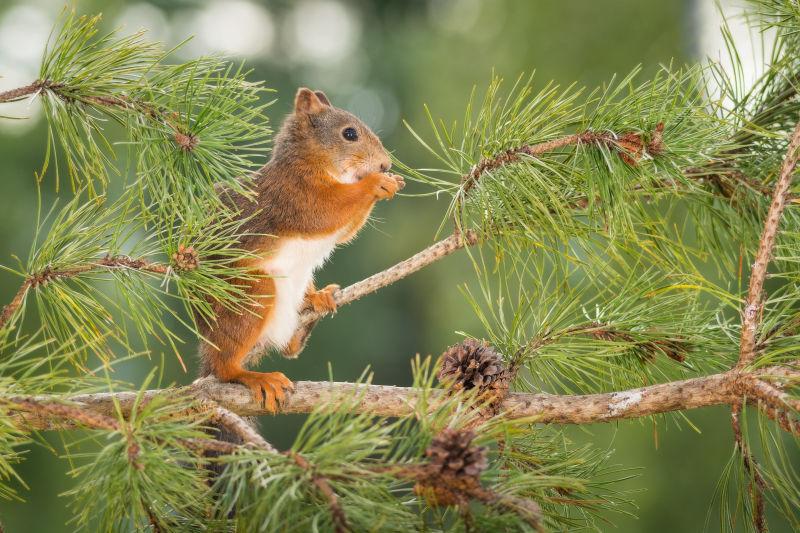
(218, 431)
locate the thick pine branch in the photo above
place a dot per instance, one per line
(385, 400)
(50, 412)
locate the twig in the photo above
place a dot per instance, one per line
(187, 141)
(751, 316)
(630, 147)
(238, 426)
(45, 276)
(512, 155)
(756, 482)
(20, 92)
(418, 261)
(399, 271)
(324, 487)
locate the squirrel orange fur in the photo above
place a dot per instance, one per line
(326, 172)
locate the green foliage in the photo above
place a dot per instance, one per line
(162, 107)
(586, 327)
(145, 472)
(585, 281)
(581, 189)
(211, 102)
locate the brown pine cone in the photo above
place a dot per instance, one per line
(451, 453)
(453, 469)
(474, 364)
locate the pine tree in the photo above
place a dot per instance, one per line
(611, 232)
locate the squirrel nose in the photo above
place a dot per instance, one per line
(386, 165)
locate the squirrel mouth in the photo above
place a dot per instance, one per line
(362, 174)
(366, 171)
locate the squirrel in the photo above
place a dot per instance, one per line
(326, 171)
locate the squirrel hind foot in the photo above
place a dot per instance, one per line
(266, 388)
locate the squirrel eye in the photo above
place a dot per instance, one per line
(350, 134)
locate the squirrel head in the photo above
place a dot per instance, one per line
(331, 137)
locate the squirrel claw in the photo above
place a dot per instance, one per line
(267, 388)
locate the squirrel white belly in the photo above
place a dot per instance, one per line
(292, 268)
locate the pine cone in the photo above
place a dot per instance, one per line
(453, 468)
(185, 258)
(474, 364)
(451, 453)
(186, 142)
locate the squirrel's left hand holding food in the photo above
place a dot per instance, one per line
(326, 172)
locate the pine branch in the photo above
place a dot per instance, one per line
(185, 140)
(384, 400)
(19, 93)
(751, 317)
(630, 147)
(48, 413)
(239, 427)
(43, 277)
(773, 402)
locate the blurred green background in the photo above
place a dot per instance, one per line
(383, 61)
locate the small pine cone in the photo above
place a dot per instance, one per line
(454, 466)
(185, 258)
(474, 364)
(186, 142)
(451, 453)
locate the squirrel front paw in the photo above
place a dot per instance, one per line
(387, 185)
(323, 301)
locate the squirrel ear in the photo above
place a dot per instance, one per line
(307, 101)
(323, 98)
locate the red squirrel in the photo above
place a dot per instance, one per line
(326, 172)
